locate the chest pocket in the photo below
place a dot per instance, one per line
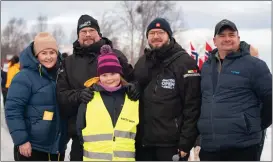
(165, 86)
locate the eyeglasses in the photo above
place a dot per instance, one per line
(84, 32)
(159, 33)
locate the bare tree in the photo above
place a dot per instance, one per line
(129, 22)
(41, 25)
(107, 27)
(58, 33)
(73, 36)
(14, 37)
(138, 18)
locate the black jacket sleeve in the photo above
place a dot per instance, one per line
(68, 98)
(81, 121)
(190, 91)
(262, 85)
(126, 67)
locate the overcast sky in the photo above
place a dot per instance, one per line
(197, 14)
(247, 14)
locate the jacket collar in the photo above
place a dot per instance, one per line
(243, 51)
(93, 49)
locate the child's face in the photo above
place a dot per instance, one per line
(110, 79)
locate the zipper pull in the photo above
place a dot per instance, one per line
(40, 69)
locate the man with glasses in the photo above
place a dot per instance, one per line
(170, 97)
(78, 68)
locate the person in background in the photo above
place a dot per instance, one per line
(64, 55)
(79, 67)
(3, 84)
(107, 124)
(236, 99)
(13, 69)
(31, 109)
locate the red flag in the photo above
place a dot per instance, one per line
(208, 47)
(194, 54)
(207, 52)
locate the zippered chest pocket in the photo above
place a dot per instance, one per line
(165, 86)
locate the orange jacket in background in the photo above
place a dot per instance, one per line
(12, 71)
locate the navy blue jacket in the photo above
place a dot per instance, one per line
(31, 99)
(231, 111)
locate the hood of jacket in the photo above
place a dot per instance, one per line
(29, 61)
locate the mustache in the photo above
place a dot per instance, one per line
(156, 40)
(89, 38)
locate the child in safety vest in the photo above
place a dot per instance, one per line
(107, 124)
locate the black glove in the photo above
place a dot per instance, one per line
(86, 95)
(133, 91)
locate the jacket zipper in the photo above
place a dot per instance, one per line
(114, 125)
(213, 97)
(176, 124)
(155, 88)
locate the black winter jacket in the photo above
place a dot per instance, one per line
(171, 98)
(78, 68)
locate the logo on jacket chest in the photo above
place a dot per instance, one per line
(168, 83)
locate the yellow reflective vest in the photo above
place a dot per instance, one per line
(103, 142)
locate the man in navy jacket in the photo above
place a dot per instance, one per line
(236, 99)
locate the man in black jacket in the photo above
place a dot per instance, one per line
(170, 97)
(78, 68)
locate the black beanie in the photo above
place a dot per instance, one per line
(87, 21)
(160, 23)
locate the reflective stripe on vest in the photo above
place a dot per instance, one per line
(124, 154)
(100, 137)
(102, 141)
(109, 137)
(124, 134)
(96, 155)
(108, 156)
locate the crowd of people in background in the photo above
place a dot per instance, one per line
(158, 110)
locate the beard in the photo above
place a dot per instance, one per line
(87, 42)
(153, 47)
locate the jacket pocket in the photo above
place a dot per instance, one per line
(252, 123)
(246, 123)
(42, 132)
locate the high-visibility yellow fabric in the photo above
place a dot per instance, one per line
(104, 142)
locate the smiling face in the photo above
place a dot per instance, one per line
(110, 79)
(157, 38)
(227, 40)
(88, 36)
(48, 58)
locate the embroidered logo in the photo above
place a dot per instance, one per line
(191, 73)
(235, 72)
(85, 24)
(168, 83)
(157, 25)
